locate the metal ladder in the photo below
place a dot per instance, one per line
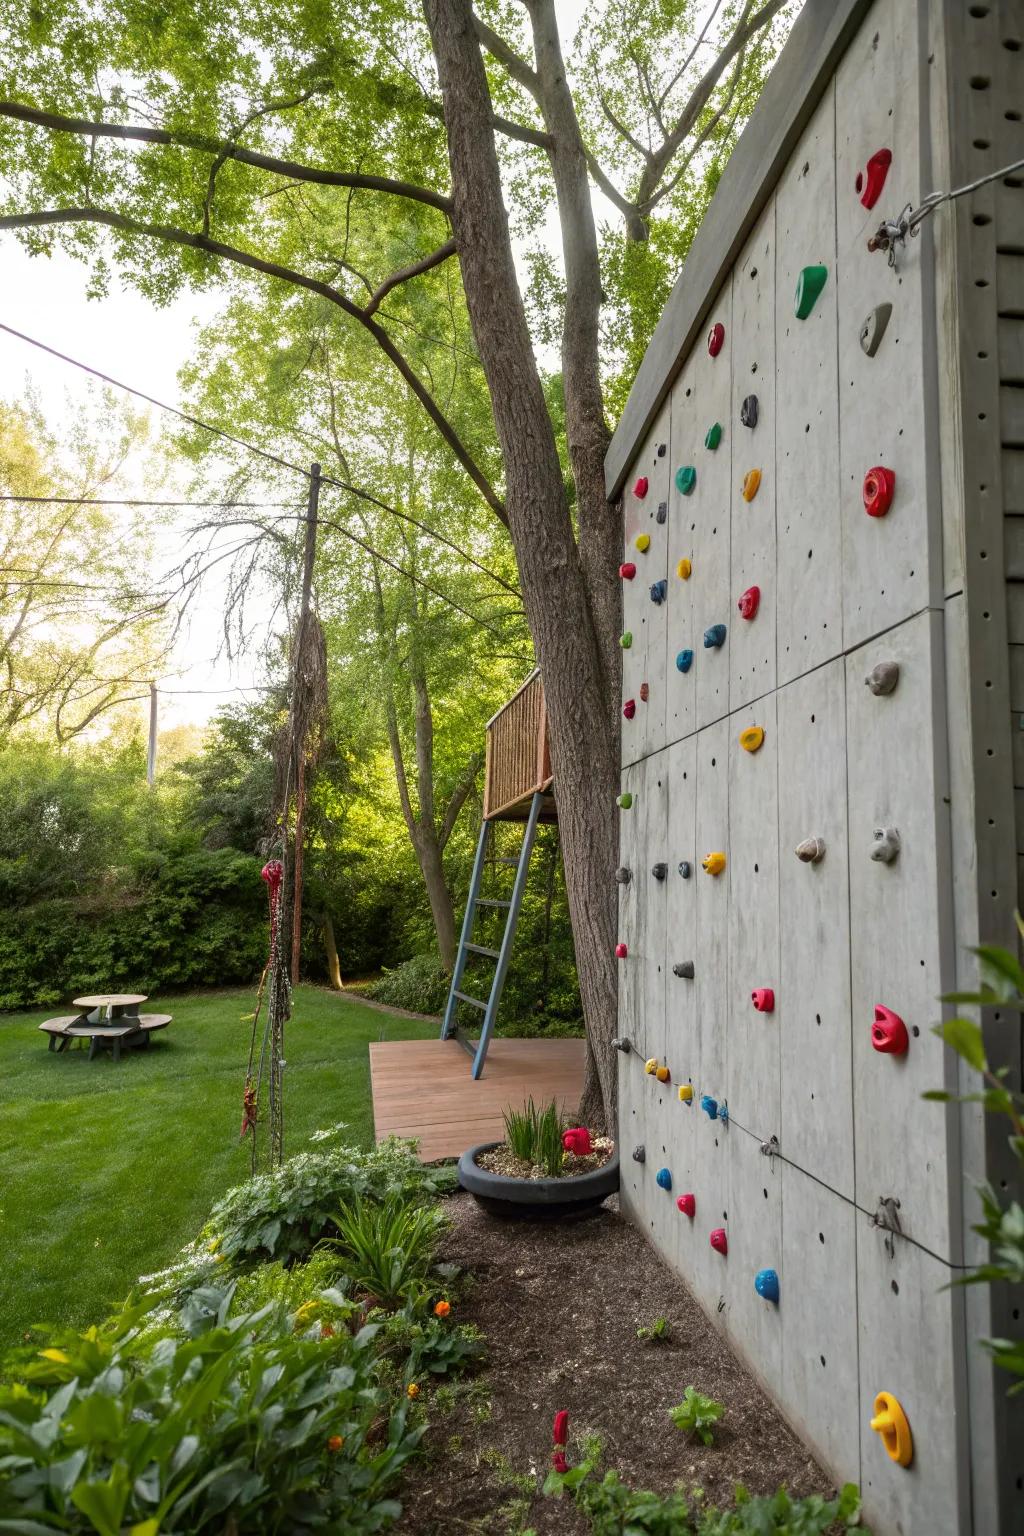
(449, 1028)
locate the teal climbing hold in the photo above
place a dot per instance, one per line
(684, 661)
(686, 479)
(766, 1284)
(809, 285)
(664, 1178)
(713, 436)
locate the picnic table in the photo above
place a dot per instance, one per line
(105, 1019)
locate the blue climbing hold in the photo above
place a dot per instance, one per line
(723, 1112)
(714, 636)
(709, 1106)
(684, 661)
(659, 592)
(766, 1284)
(664, 1178)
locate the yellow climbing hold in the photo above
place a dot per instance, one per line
(686, 1093)
(663, 1074)
(650, 1067)
(752, 738)
(751, 482)
(891, 1423)
(713, 864)
(642, 541)
(684, 569)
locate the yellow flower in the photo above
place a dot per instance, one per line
(306, 1310)
(57, 1355)
(213, 1245)
(442, 1309)
(412, 1389)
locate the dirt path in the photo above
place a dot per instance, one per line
(560, 1305)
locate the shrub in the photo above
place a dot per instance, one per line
(387, 1248)
(430, 1346)
(242, 1424)
(535, 1135)
(696, 1414)
(420, 985)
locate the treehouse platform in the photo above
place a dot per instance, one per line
(421, 1088)
(518, 762)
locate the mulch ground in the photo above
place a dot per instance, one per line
(560, 1304)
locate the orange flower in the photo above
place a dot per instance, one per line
(326, 1331)
(335, 1444)
(412, 1389)
(442, 1309)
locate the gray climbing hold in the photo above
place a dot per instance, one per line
(623, 1043)
(748, 411)
(685, 868)
(883, 677)
(873, 328)
(662, 512)
(886, 844)
(623, 875)
(685, 969)
(811, 850)
(659, 871)
(639, 1154)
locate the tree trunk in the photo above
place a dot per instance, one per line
(569, 637)
(333, 962)
(428, 852)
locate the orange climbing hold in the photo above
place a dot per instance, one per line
(751, 484)
(891, 1423)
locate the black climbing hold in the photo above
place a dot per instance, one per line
(659, 871)
(623, 875)
(685, 868)
(639, 1154)
(662, 450)
(748, 411)
(662, 511)
(684, 968)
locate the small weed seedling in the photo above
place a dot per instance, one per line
(657, 1333)
(696, 1414)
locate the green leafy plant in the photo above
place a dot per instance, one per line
(696, 1414)
(431, 1346)
(244, 1416)
(387, 1249)
(535, 1135)
(658, 1332)
(1001, 1226)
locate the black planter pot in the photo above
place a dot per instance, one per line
(536, 1199)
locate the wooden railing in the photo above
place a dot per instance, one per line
(518, 762)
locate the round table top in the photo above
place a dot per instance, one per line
(110, 1000)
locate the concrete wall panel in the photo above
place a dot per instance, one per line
(681, 619)
(708, 507)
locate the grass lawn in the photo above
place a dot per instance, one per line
(109, 1168)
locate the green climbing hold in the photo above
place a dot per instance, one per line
(713, 436)
(809, 285)
(626, 640)
(686, 479)
(624, 801)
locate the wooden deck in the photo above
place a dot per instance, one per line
(423, 1088)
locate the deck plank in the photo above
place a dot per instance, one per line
(424, 1088)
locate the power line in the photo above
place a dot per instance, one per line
(125, 501)
(262, 453)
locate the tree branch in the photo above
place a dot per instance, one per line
(459, 797)
(174, 236)
(498, 48)
(414, 269)
(206, 144)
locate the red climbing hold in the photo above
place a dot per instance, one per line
(719, 1241)
(621, 951)
(749, 602)
(879, 488)
(577, 1141)
(763, 999)
(640, 489)
(560, 1434)
(629, 708)
(871, 180)
(716, 338)
(627, 571)
(889, 1033)
(687, 1204)
(645, 693)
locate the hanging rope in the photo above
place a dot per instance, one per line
(892, 233)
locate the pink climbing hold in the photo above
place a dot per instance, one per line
(719, 1241)
(640, 489)
(716, 338)
(749, 602)
(889, 1033)
(627, 571)
(687, 1204)
(577, 1141)
(560, 1433)
(621, 951)
(763, 999)
(629, 708)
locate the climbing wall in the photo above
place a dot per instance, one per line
(793, 598)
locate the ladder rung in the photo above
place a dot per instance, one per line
(505, 861)
(482, 902)
(480, 949)
(474, 1001)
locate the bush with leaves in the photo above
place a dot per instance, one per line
(696, 1414)
(387, 1247)
(1002, 1226)
(428, 1346)
(243, 1423)
(419, 985)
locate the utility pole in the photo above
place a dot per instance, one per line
(300, 746)
(151, 758)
